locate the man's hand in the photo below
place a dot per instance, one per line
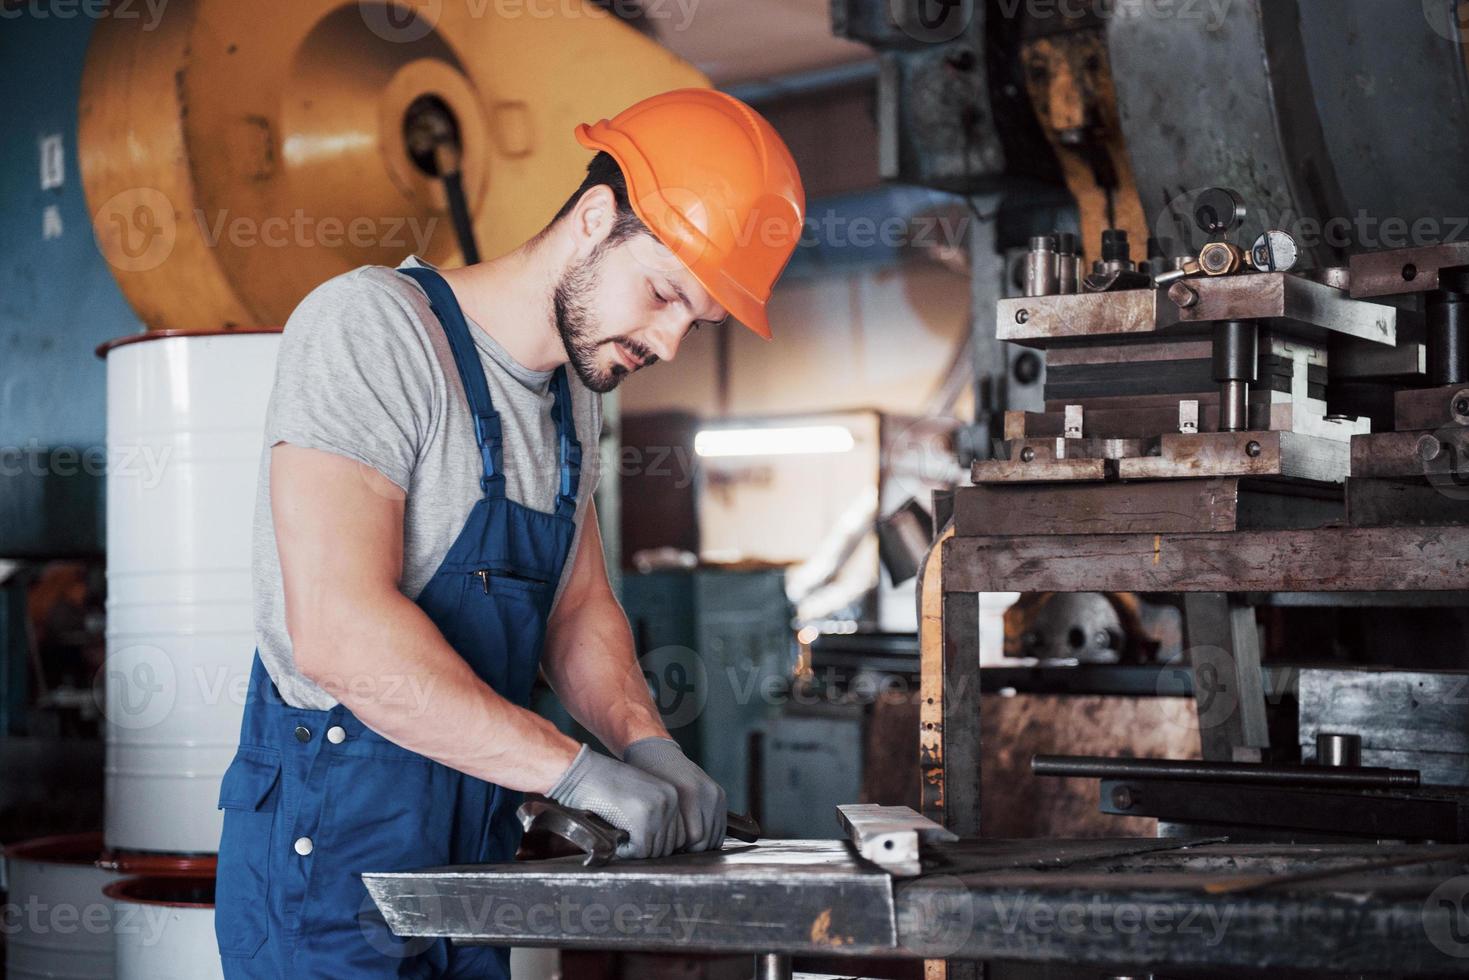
(701, 800)
(643, 805)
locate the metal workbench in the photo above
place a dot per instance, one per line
(1112, 903)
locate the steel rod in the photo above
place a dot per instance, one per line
(1090, 767)
(772, 966)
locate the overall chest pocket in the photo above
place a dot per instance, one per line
(249, 795)
(505, 618)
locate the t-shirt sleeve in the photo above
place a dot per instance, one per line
(353, 378)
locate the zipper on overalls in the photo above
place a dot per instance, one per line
(484, 575)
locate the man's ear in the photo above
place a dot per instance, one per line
(593, 218)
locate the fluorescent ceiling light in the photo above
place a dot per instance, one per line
(774, 440)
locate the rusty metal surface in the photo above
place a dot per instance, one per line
(1383, 503)
(1430, 408)
(1220, 454)
(778, 896)
(1203, 902)
(1042, 467)
(1338, 909)
(1403, 270)
(1329, 559)
(1100, 508)
(1293, 303)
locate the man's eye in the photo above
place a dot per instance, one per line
(658, 296)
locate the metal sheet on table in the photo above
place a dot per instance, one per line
(776, 896)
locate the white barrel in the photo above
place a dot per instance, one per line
(185, 427)
(164, 929)
(58, 922)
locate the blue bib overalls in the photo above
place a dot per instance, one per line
(314, 798)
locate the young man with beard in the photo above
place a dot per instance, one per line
(425, 544)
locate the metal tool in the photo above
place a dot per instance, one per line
(1222, 772)
(594, 836)
(890, 836)
(598, 839)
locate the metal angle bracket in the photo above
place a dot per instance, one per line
(890, 836)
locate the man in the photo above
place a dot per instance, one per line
(425, 544)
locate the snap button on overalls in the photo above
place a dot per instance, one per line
(314, 798)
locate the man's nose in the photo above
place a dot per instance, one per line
(662, 340)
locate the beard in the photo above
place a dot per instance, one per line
(579, 327)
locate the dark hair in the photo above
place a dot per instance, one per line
(604, 170)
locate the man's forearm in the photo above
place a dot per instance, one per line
(385, 660)
(591, 664)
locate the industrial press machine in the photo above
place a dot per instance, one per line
(1190, 390)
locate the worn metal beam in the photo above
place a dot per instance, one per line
(1329, 559)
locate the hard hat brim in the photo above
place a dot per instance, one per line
(739, 303)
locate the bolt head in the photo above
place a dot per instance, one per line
(1252, 449)
(1027, 455)
(1429, 448)
(1460, 407)
(1022, 316)
(1122, 797)
(1183, 295)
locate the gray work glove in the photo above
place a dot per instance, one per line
(700, 799)
(626, 797)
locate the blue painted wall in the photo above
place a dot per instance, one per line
(58, 299)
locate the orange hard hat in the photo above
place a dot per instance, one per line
(715, 183)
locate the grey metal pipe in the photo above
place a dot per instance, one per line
(772, 966)
(1338, 750)
(1040, 266)
(1091, 767)
(1236, 360)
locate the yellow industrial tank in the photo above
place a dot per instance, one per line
(235, 155)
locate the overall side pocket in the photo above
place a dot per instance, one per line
(248, 795)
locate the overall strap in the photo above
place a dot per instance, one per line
(565, 419)
(471, 375)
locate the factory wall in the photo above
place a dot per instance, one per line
(58, 299)
(875, 337)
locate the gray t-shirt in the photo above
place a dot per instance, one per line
(365, 372)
